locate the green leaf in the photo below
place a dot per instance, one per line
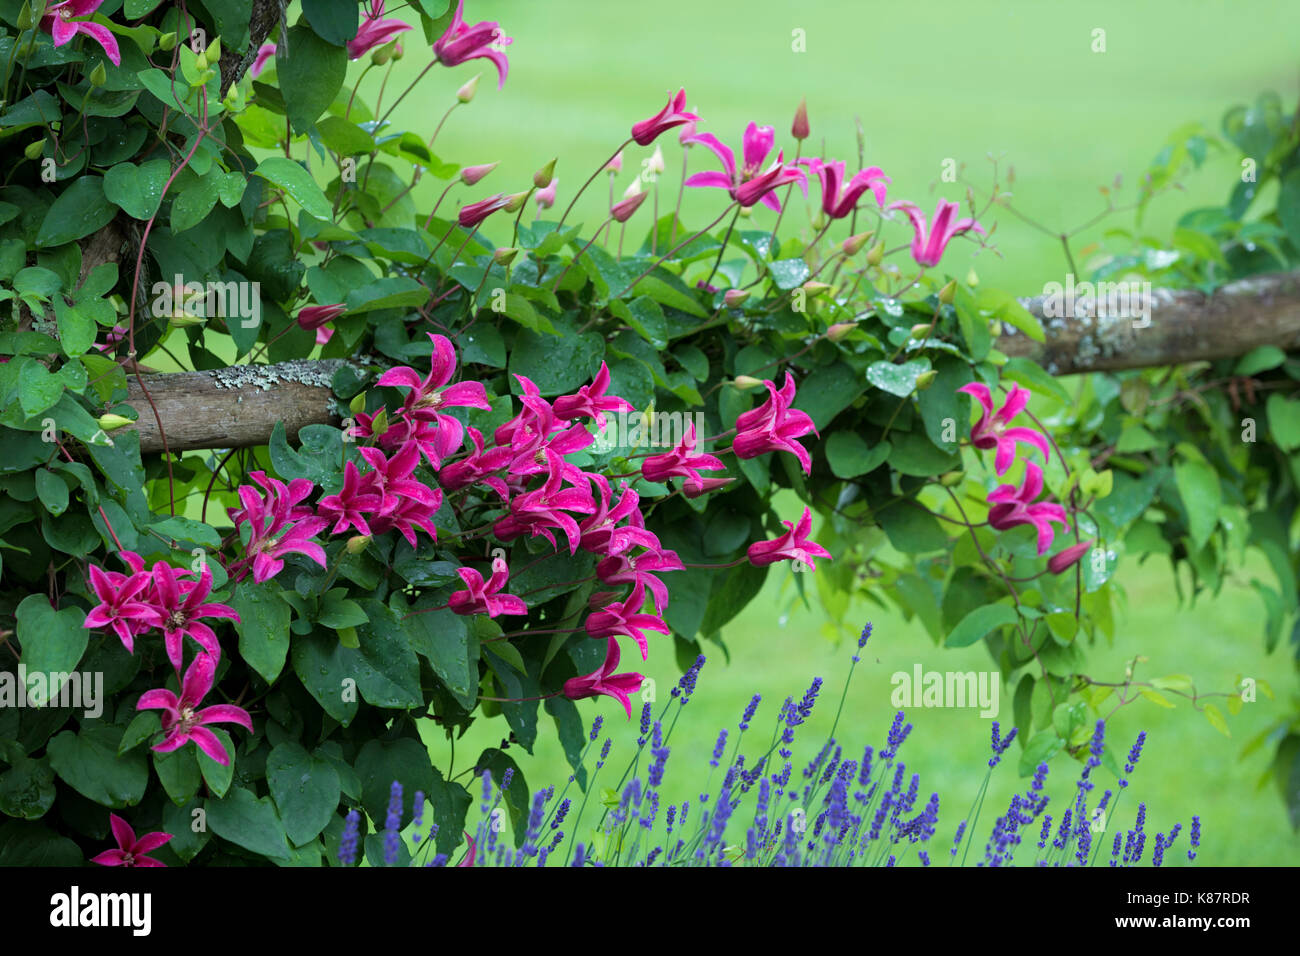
(387, 670)
(305, 788)
(1284, 421)
(319, 458)
(1024, 372)
(297, 182)
(263, 627)
(557, 365)
(88, 762)
(442, 639)
(245, 820)
(911, 529)
(192, 205)
(1198, 486)
(979, 623)
(137, 190)
(310, 76)
(383, 761)
(1041, 749)
(52, 491)
(1005, 307)
(335, 23)
(178, 773)
(79, 210)
(77, 329)
(53, 642)
(1288, 205)
(27, 788)
(515, 796)
(217, 776)
(789, 273)
(897, 380)
(326, 670)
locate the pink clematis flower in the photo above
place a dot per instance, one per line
(264, 54)
(125, 602)
(840, 199)
(605, 682)
(630, 569)
(462, 42)
(991, 430)
(1011, 506)
(63, 22)
(279, 524)
(483, 597)
(375, 30)
(427, 394)
(182, 722)
(622, 210)
(131, 851)
(625, 618)
(747, 185)
(348, 508)
(794, 545)
(674, 114)
(547, 507)
(774, 426)
(180, 604)
(680, 462)
(477, 467)
(405, 502)
(599, 532)
(471, 214)
(591, 401)
(928, 244)
(314, 316)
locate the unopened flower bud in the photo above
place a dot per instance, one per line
(466, 92)
(633, 188)
(926, 379)
(734, 297)
(201, 62)
(98, 76)
(110, 421)
(213, 52)
(167, 42)
(542, 178)
(27, 17)
(972, 279)
(920, 330)
(615, 165)
(34, 150)
(1069, 557)
(876, 254)
(812, 287)
(799, 128)
(656, 162)
(948, 292)
(358, 403)
(746, 382)
(398, 52)
(839, 330)
(950, 478)
(384, 53)
(472, 174)
(624, 208)
(505, 255)
(516, 201)
(853, 244)
(357, 543)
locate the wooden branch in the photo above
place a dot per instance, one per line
(1184, 326)
(238, 407)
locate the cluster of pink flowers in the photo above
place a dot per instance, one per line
(1010, 506)
(169, 601)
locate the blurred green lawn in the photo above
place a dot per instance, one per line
(930, 81)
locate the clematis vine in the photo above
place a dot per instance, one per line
(183, 722)
(749, 183)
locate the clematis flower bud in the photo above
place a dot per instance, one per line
(167, 42)
(110, 421)
(466, 93)
(623, 209)
(98, 76)
(814, 288)
(1069, 557)
(734, 297)
(799, 128)
(472, 174)
(853, 244)
(876, 254)
(615, 165)
(948, 292)
(357, 543)
(384, 53)
(516, 201)
(545, 198)
(34, 150)
(746, 382)
(656, 163)
(839, 330)
(542, 178)
(926, 379)
(505, 255)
